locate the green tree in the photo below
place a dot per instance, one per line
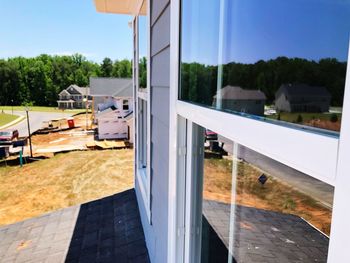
(333, 117)
(106, 67)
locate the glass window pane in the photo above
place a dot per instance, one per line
(142, 132)
(255, 209)
(281, 61)
(142, 22)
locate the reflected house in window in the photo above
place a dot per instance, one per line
(302, 98)
(241, 100)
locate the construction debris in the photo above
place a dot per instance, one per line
(106, 144)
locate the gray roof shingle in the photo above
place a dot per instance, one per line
(303, 90)
(237, 93)
(117, 87)
(105, 230)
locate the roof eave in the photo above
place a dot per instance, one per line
(124, 7)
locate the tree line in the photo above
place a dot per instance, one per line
(199, 82)
(39, 80)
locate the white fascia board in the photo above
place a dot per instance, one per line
(310, 153)
(64, 92)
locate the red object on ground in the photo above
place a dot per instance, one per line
(71, 123)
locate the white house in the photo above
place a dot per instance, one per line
(112, 107)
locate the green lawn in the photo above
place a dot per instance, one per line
(292, 117)
(39, 108)
(6, 118)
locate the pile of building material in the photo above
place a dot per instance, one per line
(107, 144)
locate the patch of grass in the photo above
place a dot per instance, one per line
(302, 116)
(6, 118)
(39, 108)
(289, 204)
(64, 180)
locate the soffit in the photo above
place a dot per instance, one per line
(126, 7)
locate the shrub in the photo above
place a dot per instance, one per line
(289, 204)
(300, 119)
(333, 117)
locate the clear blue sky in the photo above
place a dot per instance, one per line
(29, 28)
(265, 29)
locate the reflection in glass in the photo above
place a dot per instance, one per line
(142, 22)
(255, 209)
(280, 60)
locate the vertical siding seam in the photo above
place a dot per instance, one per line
(160, 14)
(160, 51)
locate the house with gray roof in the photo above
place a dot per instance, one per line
(108, 92)
(302, 98)
(74, 97)
(112, 107)
(241, 100)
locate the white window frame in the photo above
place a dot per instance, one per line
(143, 175)
(323, 157)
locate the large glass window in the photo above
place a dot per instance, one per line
(255, 209)
(281, 61)
(142, 25)
(142, 131)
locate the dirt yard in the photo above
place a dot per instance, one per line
(274, 195)
(64, 180)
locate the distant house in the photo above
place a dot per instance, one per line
(112, 107)
(241, 100)
(73, 97)
(107, 92)
(302, 98)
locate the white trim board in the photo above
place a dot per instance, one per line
(143, 175)
(313, 154)
(173, 224)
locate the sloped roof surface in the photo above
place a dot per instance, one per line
(81, 233)
(304, 90)
(78, 90)
(116, 87)
(237, 93)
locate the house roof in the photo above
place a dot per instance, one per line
(75, 89)
(303, 90)
(117, 87)
(128, 7)
(64, 91)
(67, 224)
(237, 93)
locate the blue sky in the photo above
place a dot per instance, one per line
(30, 28)
(257, 29)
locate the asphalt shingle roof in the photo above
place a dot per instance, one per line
(237, 93)
(78, 90)
(117, 87)
(105, 230)
(303, 90)
(263, 235)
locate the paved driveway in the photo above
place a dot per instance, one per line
(35, 120)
